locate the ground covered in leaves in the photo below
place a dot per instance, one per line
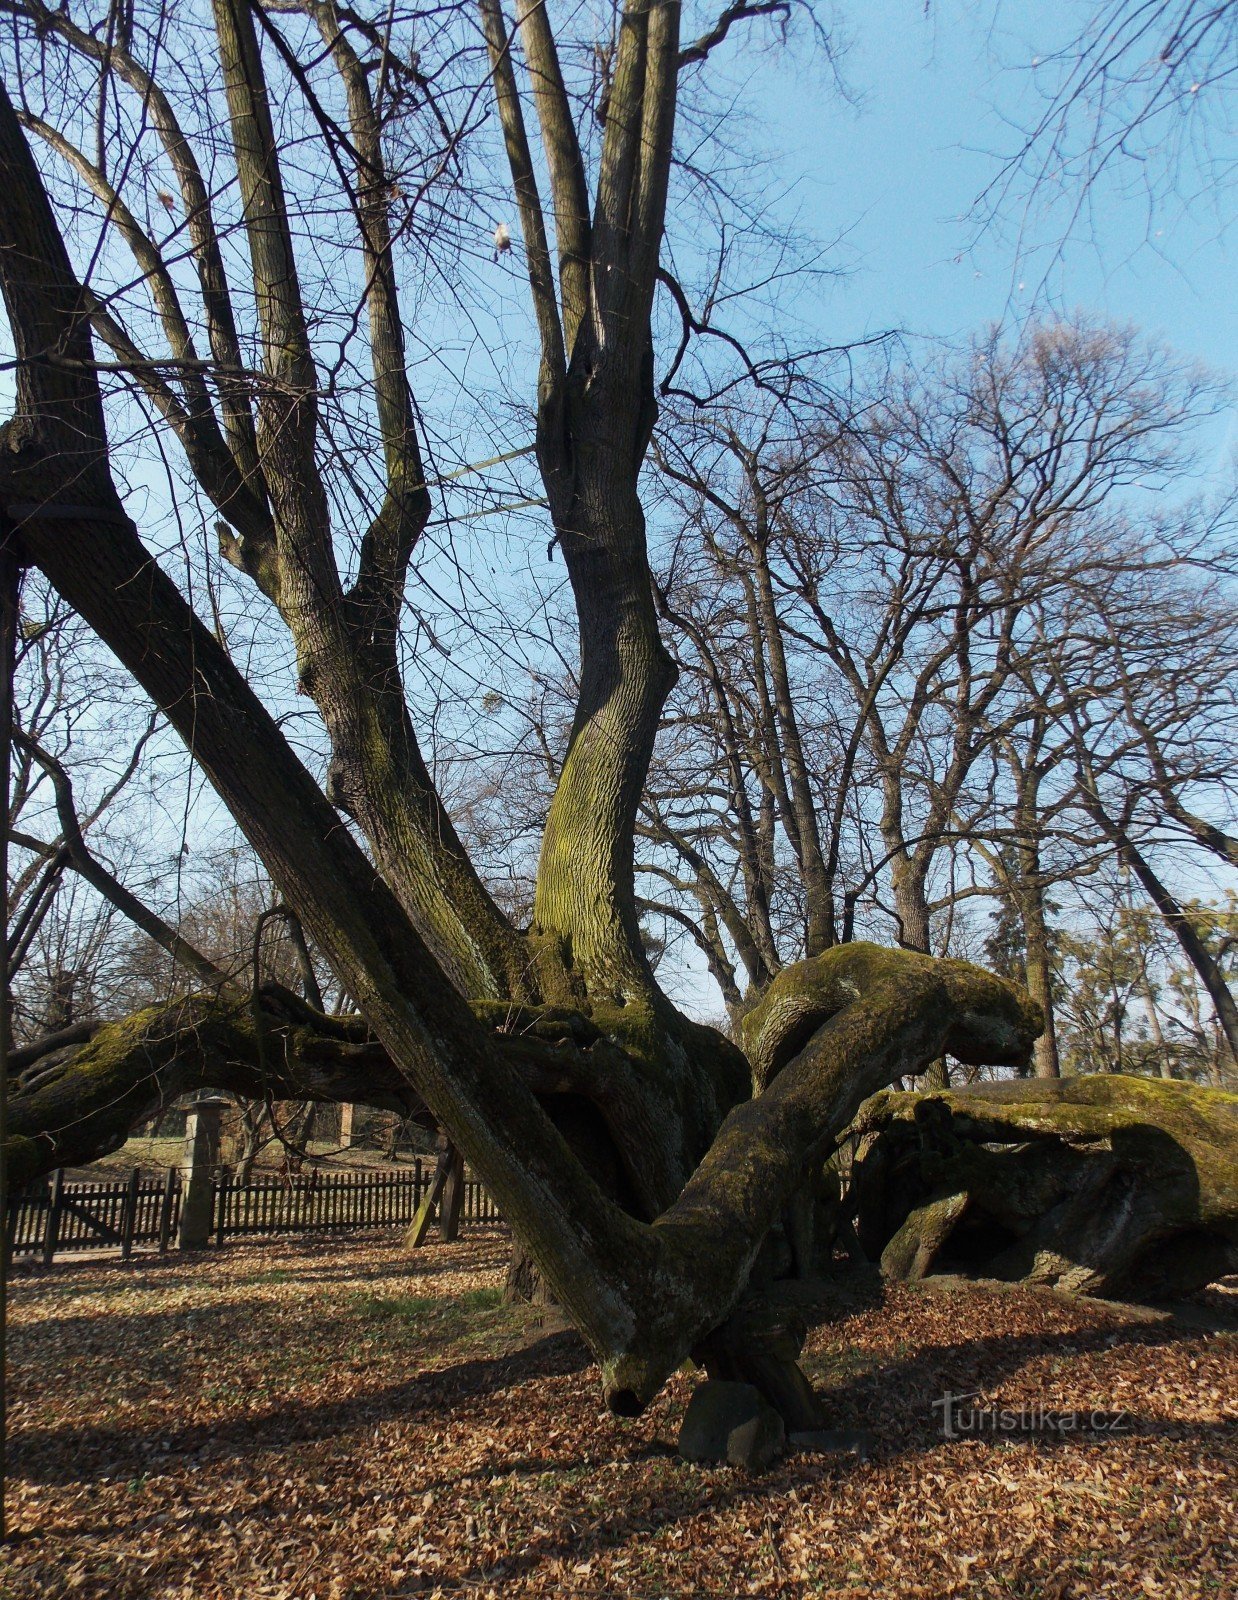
(336, 1420)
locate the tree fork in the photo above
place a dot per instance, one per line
(641, 1295)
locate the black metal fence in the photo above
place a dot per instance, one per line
(58, 1216)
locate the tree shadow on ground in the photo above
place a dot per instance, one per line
(310, 1256)
(897, 1394)
(683, 1497)
(76, 1455)
(228, 1292)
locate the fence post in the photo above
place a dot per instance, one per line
(197, 1188)
(55, 1206)
(165, 1210)
(129, 1215)
(12, 1219)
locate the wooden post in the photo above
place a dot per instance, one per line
(12, 1218)
(420, 1225)
(55, 1208)
(453, 1196)
(225, 1183)
(197, 1182)
(129, 1215)
(347, 1114)
(165, 1210)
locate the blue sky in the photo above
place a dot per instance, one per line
(936, 99)
(936, 95)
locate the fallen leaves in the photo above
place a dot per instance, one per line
(340, 1421)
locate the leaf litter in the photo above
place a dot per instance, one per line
(335, 1419)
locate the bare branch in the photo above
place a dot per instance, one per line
(740, 12)
(79, 857)
(553, 365)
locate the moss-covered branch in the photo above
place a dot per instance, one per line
(879, 1014)
(870, 1015)
(77, 1095)
(1106, 1185)
(79, 1102)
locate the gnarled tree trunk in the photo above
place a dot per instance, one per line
(702, 1170)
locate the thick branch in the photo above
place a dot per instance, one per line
(569, 191)
(1212, 837)
(1177, 920)
(878, 1014)
(1103, 1185)
(532, 218)
(74, 1105)
(78, 855)
(389, 541)
(96, 561)
(642, 1296)
(310, 591)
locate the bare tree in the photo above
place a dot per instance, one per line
(858, 590)
(1164, 650)
(409, 930)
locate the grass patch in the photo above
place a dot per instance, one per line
(412, 1307)
(464, 1319)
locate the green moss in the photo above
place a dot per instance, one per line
(987, 1017)
(636, 1029)
(1078, 1108)
(1104, 1184)
(548, 1022)
(911, 1252)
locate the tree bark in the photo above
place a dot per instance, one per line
(78, 1102)
(820, 930)
(264, 479)
(585, 904)
(1106, 1185)
(1038, 976)
(596, 411)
